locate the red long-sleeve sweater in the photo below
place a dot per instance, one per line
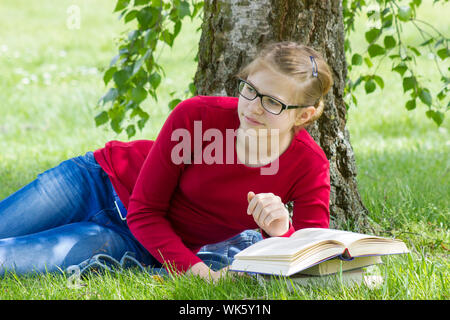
(175, 208)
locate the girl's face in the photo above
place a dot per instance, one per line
(253, 116)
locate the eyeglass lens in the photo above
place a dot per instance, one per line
(268, 103)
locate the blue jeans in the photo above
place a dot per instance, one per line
(68, 214)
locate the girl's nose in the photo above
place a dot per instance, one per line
(255, 106)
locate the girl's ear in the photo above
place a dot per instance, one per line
(305, 115)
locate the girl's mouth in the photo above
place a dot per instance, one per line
(252, 121)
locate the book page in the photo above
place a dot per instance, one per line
(283, 247)
(311, 238)
(345, 237)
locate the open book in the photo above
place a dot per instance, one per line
(309, 247)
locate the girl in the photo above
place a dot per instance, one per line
(202, 181)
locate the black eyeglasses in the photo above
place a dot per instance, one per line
(270, 104)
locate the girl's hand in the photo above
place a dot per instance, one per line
(269, 213)
(203, 271)
(226, 272)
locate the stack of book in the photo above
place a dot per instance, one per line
(317, 256)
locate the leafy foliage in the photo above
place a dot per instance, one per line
(134, 74)
(386, 40)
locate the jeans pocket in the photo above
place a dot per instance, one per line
(103, 218)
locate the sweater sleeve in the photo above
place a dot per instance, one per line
(150, 200)
(311, 198)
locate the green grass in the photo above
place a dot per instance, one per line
(51, 79)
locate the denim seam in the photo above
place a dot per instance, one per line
(86, 165)
(104, 210)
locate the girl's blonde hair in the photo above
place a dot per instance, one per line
(301, 63)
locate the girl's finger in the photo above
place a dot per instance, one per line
(260, 205)
(275, 214)
(257, 212)
(267, 214)
(254, 202)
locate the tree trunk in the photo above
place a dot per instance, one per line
(232, 33)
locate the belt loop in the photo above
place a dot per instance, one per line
(118, 203)
(120, 213)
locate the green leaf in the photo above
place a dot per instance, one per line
(413, 49)
(120, 77)
(372, 35)
(368, 62)
(111, 95)
(371, 13)
(173, 103)
(411, 104)
(357, 82)
(357, 59)
(389, 42)
(116, 114)
(133, 35)
(121, 4)
(167, 37)
(355, 101)
(379, 81)
(155, 80)
(443, 53)
(442, 94)
(192, 88)
(108, 74)
(150, 38)
(131, 130)
(437, 116)
(369, 86)
(144, 18)
(409, 83)
(425, 96)
(177, 28)
(147, 17)
(130, 16)
(197, 8)
(138, 94)
(183, 9)
(114, 60)
(400, 68)
(429, 41)
(386, 21)
(376, 50)
(141, 122)
(101, 118)
(138, 64)
(404, 13)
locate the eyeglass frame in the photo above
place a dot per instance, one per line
(315, 74)
(261, 96)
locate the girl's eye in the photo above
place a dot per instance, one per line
(273, 102)
(250, 89)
